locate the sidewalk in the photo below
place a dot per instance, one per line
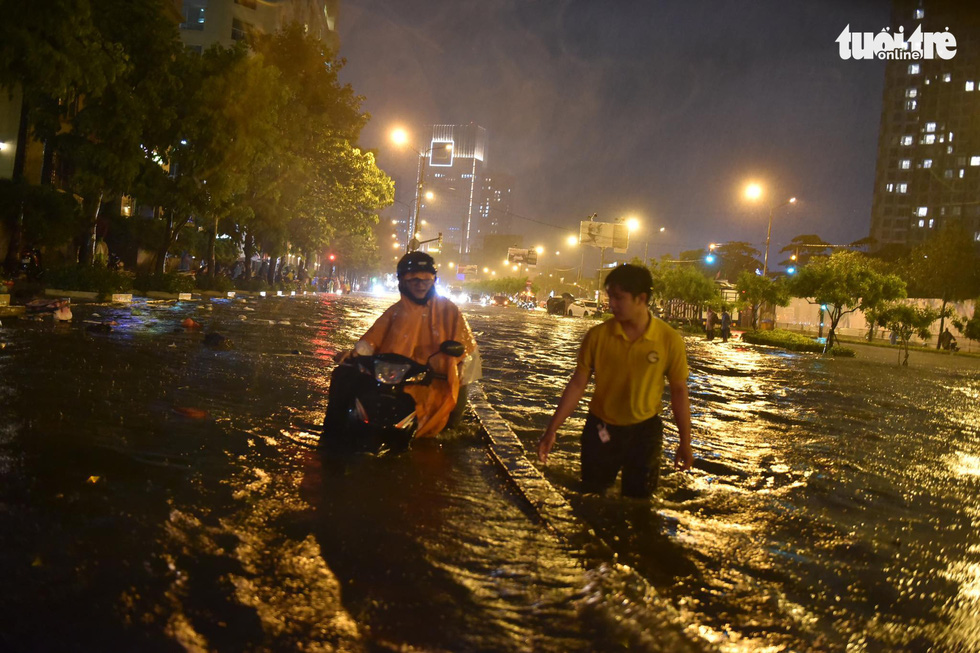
(917, 358)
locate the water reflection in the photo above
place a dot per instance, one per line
(824, 510)
(162, 493)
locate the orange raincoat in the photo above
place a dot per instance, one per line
(416, 331)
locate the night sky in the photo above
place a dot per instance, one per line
(661, 110)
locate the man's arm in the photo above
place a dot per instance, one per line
(680, 404)
(573, 394)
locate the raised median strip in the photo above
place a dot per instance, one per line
(554, 511)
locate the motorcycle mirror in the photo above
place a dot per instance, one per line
(452, 348)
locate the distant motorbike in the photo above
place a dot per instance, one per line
(380, 415)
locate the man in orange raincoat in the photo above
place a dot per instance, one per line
(414, 326)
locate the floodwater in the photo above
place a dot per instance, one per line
(158, 494)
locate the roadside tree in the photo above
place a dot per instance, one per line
(755, 290)
(946, 267)
(735, 258)
(906, 320)
(844, 282)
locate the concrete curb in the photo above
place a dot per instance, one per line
(506, 450)
(548, 504)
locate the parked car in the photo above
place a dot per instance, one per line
(584, 307)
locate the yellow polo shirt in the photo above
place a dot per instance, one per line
(629, 376)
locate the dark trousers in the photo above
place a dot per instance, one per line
(345, 381)
(634, 449)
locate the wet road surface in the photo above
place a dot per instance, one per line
(158, 494)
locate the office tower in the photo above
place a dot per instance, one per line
(454, 173)
(928, 171)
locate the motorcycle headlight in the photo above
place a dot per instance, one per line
(390, 373)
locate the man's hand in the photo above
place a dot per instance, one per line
(684, 458)
(545, 444)
(341, 356)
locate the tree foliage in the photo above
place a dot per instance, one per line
(259, 145)
(945, 266)
(755, 290)
(805, 247)
(906, 320)
(736, 257)
(845, 282)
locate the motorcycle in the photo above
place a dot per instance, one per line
(379, 416)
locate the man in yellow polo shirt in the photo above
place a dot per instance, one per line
(630, 355)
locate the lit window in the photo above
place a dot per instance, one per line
(905, 164)
(969, 86)
(930, 126)
(906, 140)
(949, 149)
(947, 77)
(903, 188)
(975, 160)
(922, 211)
(976, 236)
(922, 223)
(910, 105)
(890, 188)
(950, 137)
(927, 163)
(931, 222)
(929, 139)
(919, 14)
(913, 69)
(962, 173)
(913, 92)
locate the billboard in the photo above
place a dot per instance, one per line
(604, 234)
(466, 269)
(522, 256)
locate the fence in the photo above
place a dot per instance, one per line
(803, 316)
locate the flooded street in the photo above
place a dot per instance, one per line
(158, 494)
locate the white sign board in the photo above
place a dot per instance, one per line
(604, 235)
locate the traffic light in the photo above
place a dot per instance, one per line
(333, 257)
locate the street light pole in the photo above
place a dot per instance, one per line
(413, 223)
(772, 211)
(765, 260)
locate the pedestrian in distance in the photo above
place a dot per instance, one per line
(630, 355)
(726, 325)
(709, 324)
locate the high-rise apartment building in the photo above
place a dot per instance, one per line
(227, 21)
(928, 171)
(454, 173)
(496, 217)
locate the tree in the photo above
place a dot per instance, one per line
(107, 135)
(805, 247)
(843, 283)
(945, 266)
(685, 283)
(907, 320)
(49, 53)
(755, 290)
(736, 257)
(969, 327)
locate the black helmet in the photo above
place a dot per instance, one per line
(416, 262)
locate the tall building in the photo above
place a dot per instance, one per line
(454, 173)
(928, 170)
(495, 205)
(227, 21)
